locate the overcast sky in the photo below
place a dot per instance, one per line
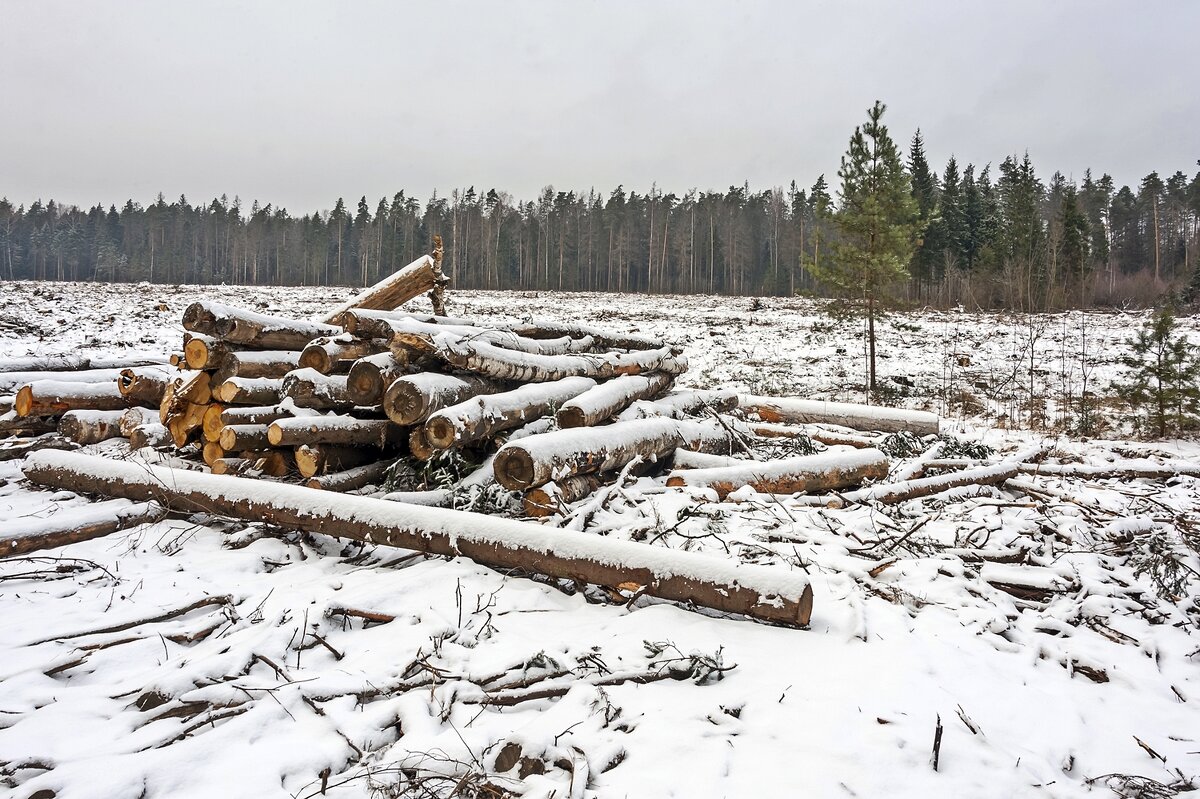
(297, 103)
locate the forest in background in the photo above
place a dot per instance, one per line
(993, 238)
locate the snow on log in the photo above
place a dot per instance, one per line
(552, 497)
(345, 430)
(204, 352)
(134, 418)
(419, 277)
(315, 459)
(527, 367)
(147, 385)
(412, 335)
(682, 403)
(308, 388)
(894, 493)
(536, 460)
(77, 363)
(256, 363)
(151, 434)
(412, 398)
(54, 397)
(807, 473)
(242, 437)
(90, 427)
(1129, 469)
(686, 459)
(252, 329)
(768, 593)
(370, 376)
(604, 401)
(482, 417)
(11, 424)
(603, 338)
(833, 438)
(72, 525)
(249, 391)
(10, 382)
(264, 414)
(351, 479)
(329, 355)
(844, 414)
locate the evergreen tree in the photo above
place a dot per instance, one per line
(1163, 373)
(926, 261)
(1073, 226)
(877, 222)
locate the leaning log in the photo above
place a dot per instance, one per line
(825, 472)
(767, 593)
(844, 414)
(370, 376)
(54, 397)
(419, 277)
(536, 460)
(336, 354)
(90, 427)
(342, 430)
(482, 417)
(601, 403)
(72, 525)
(412, 398)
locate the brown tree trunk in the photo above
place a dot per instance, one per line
(767, 593)
(52, 397)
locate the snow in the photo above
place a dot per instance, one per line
(845, 708)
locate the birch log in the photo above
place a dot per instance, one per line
(536, 460)
(604, 401)
(767, 593)
(482, 417)
(527, 367)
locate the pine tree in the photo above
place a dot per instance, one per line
(1163, 375)
(877, 222)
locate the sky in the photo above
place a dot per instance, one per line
(298, 103)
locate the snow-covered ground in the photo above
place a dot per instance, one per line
(195, 657)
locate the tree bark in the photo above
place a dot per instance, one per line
(351, 479)
(152, 435)
(249, 391)
(204, 352)
(256, 364)
(243, 437)
(550, 498)
(525, 367)
(252, 329)
(315, 459)
(147, 385)
(308, 388)
(768, 593)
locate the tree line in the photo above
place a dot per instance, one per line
(989, 237)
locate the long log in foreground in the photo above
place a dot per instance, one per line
(767, 593)
(72, 525)
(536, 460)
(824, 472)
(845, 414)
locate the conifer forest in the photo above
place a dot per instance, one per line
(988, 236)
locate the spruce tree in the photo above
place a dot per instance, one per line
(926, 260)
(877, 223)
(1163, 374)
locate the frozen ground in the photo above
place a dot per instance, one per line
(1051, 628)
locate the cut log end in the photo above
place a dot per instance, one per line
(440, 432)
(514, 469)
